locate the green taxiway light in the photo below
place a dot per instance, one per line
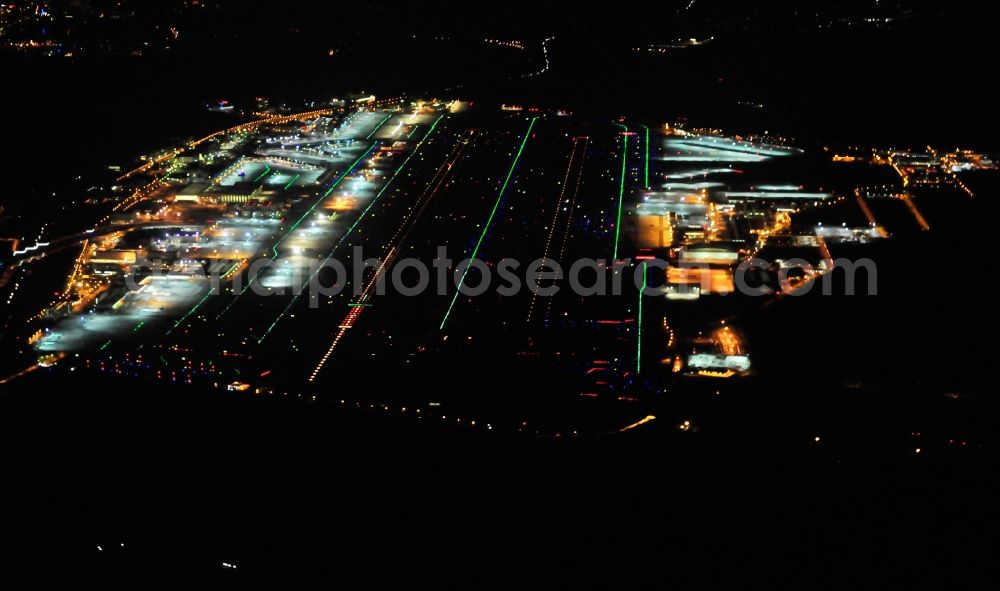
(486, 229)
(274, 248)
(190, 312)
(638, 346)
(647, 157)
(350, 229)
(231, 268)
(379, 126)
(621, 190)
(267, 171)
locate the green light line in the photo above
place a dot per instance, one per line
(267, 171)
(647, 156)
(336, 183)
(106, 344)
(379, 126)
(138, 326)
(486, 229)
(190, 312)
(350, 229)
(621, 190)
(638, 346)
(292, 182)
(296, 224)
(231, 267)
(389, 182)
